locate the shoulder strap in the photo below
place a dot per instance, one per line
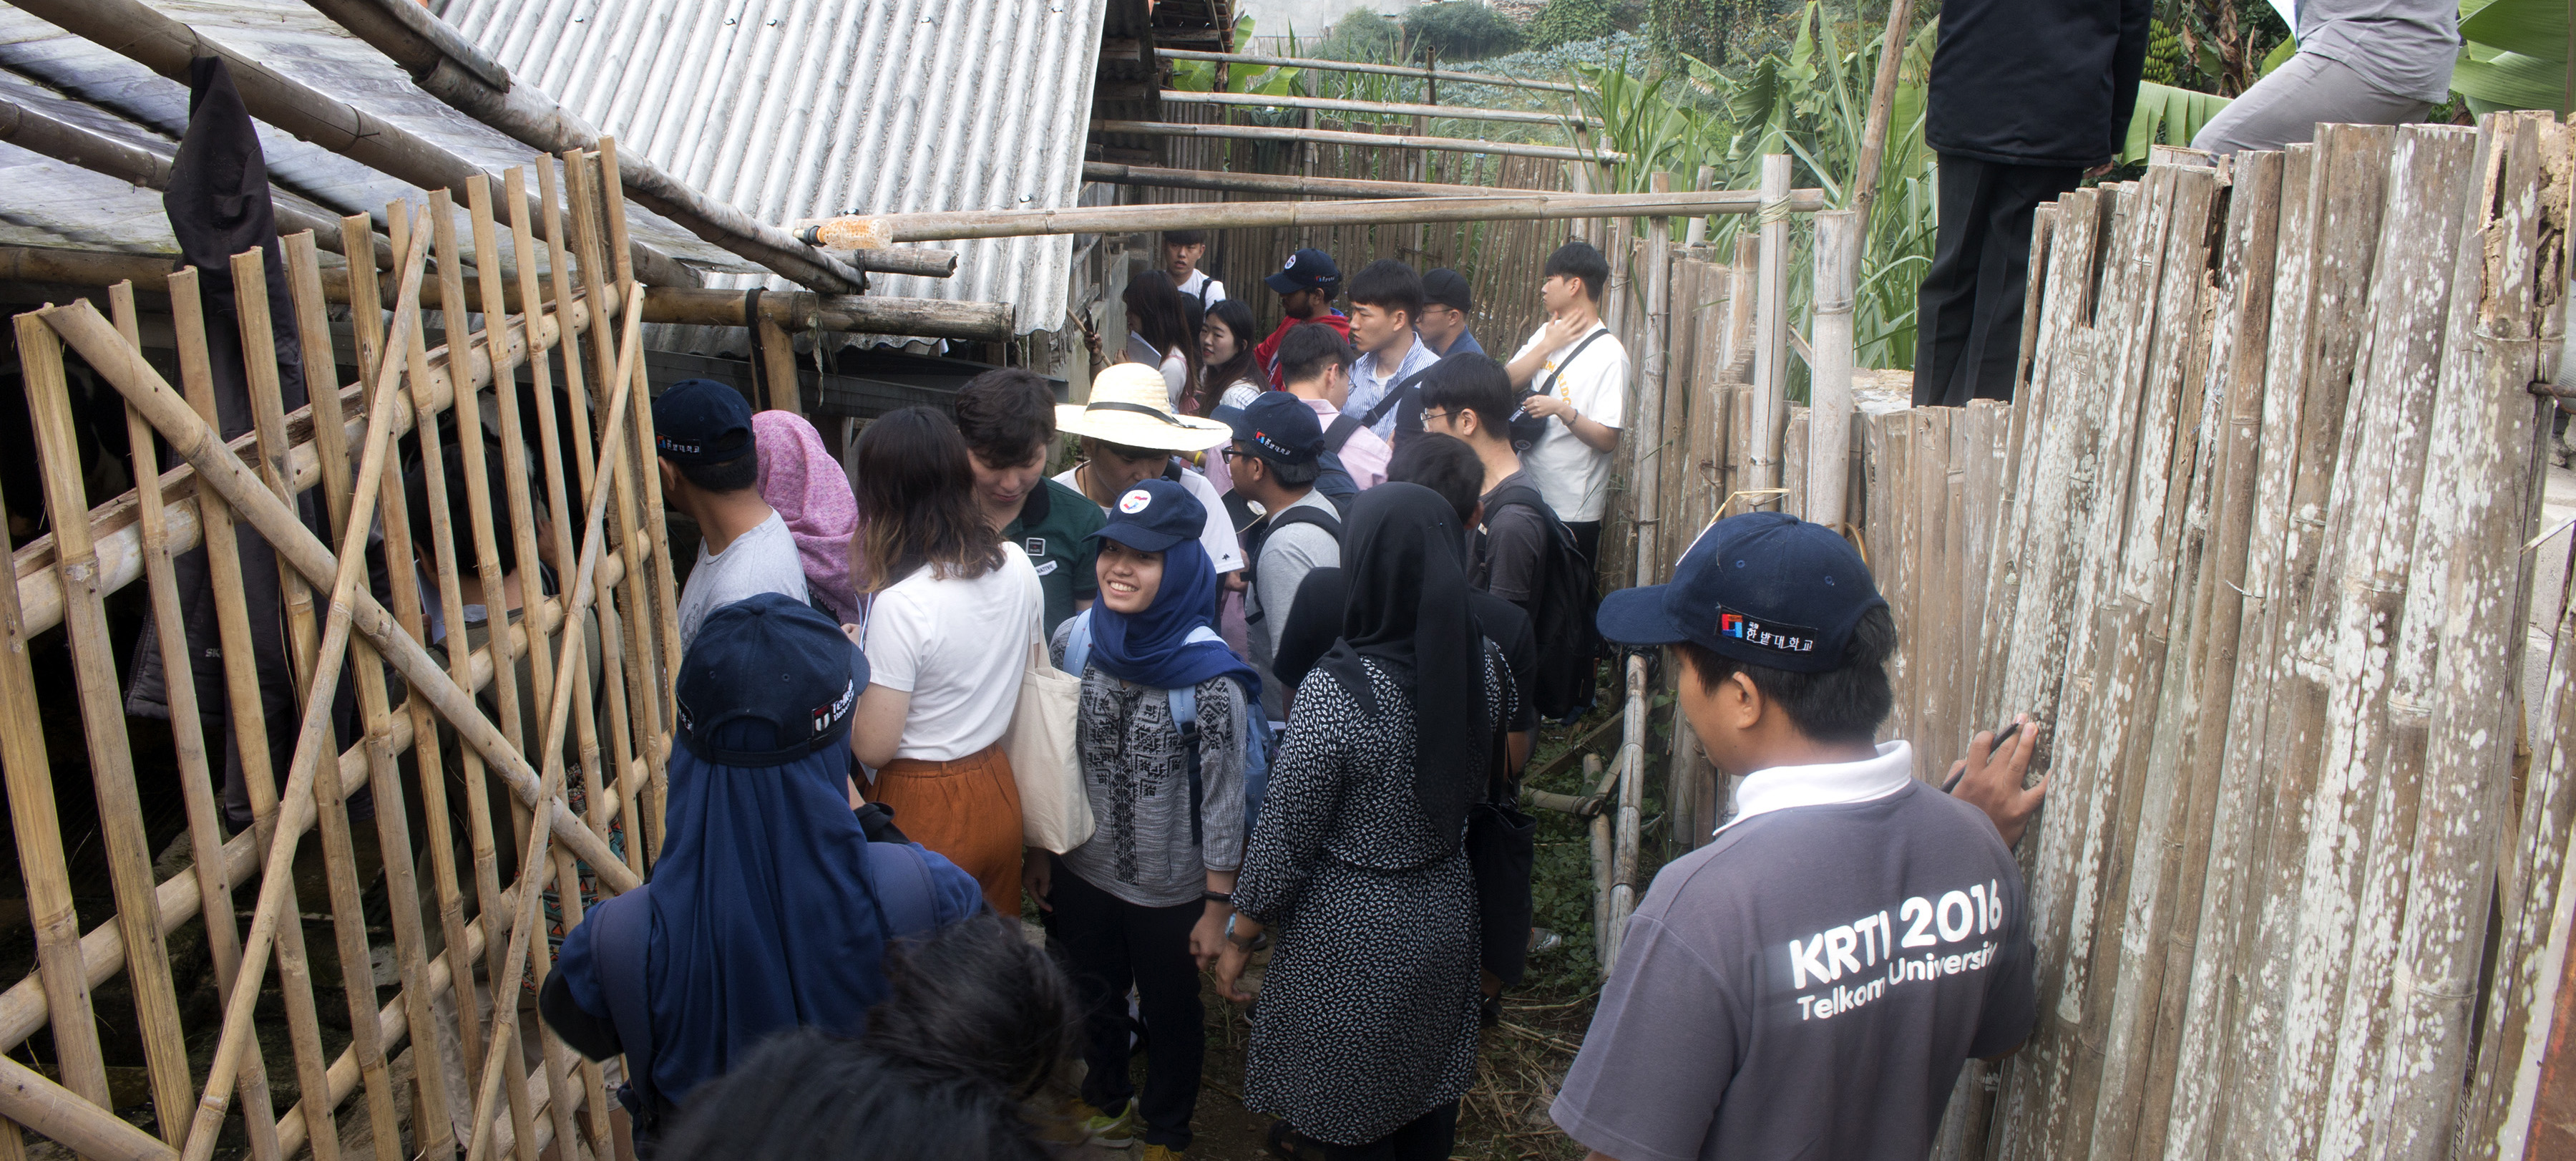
(1598, 330)
(902, 881)
(1339, 431)
(1395, 395)
(1306, 514)
(1185, 718)
(1077, 644)
(619, 943)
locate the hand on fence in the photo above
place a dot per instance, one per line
(1991, 781)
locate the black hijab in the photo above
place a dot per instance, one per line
(1407, 611)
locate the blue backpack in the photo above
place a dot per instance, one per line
(1258, 745)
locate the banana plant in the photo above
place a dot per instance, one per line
(2516, 56)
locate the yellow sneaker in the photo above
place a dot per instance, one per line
(1112, 1130)
(1159, 1153)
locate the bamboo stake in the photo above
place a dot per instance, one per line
(1116, 173)
(1648, 431)
(2353, 635)
(1771, 321)
(504, 1030)
(1873, 133)
(242, 682)
(120, 813)
(187, 741)
(34, 821)
(1829, 412)
(339, 861)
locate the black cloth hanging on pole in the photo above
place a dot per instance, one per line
(218, 204)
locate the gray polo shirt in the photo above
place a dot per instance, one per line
(1809, 984)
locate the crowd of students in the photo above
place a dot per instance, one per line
(1319, 591)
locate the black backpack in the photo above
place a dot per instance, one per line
(1561, 619)
(1527, 428)
(1337, 483)
(1294, 514)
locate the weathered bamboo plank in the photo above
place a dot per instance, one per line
(2476, 505)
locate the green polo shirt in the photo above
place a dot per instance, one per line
(1054, 528)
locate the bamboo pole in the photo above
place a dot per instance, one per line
(1382, 108)
(297, 801)
(1340, 137)
(1873, 133)
(778, 359)
(1365, 67)
(1829, 412)
(129, 851)
(1771, 324)
(33, 819)
(1488, 207)
(1648, 433)
(2484, 431)
(1275, 183)
(504, 1032)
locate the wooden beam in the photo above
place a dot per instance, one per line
(1495, 206)
(1344, 66)
(795, 310)
(1335, 137)
(1387, 108)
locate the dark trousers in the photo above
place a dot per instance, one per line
(1969, 314)
(1111, 944)
(1428, 1137)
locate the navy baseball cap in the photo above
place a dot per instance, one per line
(1764, 588)
(701, 421)
(768, 680)
(1448, 288)
(1280, 428)
(1305, 270)
(1153, 516)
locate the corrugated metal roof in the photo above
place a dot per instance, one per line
(46, 202)
(793, 109)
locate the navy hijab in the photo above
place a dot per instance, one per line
(1152, 648)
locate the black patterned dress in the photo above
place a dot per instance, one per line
(1367, 1018)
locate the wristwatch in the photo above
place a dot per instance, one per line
(1241, 943)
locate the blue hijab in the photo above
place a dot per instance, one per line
(764, 917)
(1152, 648)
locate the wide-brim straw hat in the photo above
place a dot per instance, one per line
(1131, 406)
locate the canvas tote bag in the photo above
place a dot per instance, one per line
(1055, 813)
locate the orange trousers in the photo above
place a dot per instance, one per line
(968, 810)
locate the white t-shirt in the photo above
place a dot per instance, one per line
(1571, 477)
(958, 647)
(1224, 549)
(1200, 282)
(762, 560)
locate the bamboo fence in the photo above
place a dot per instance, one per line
(443, 1066)
(2252, 544)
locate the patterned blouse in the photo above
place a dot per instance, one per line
(1137, 773)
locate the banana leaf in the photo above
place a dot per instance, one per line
(2534, 28)
(2167, 116)
(2511, 80)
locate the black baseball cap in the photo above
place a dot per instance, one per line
(1764, 588)
(1280, 428)
(767, 680)
(1153, 516)
(1305, 270)
(701, 421)
(1448, 288)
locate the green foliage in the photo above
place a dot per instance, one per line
(1697, 29)
(1565, 21)
(1461, 30)
(1363, 36)
(1199, 76)
(2516, 56)
(1810, 102)
(2167, 116)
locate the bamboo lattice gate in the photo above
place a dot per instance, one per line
(445, 1065)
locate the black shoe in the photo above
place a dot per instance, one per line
(1489, 1011)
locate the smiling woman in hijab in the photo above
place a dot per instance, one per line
(1144, 903)
(1365, 1037)
(769, 908)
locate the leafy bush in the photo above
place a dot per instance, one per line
(1461, 30)
(1692, 28)
(1363, 36)
(1567, 21)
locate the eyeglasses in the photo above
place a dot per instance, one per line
(1429, 416)
(1234, 453)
